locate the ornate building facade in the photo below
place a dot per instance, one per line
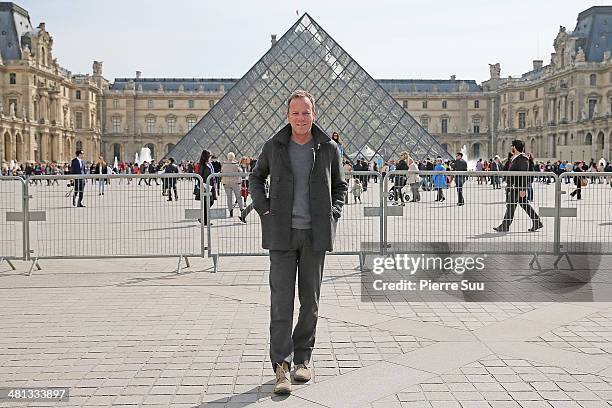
(155, 112)
(46, 112)
(562, 110)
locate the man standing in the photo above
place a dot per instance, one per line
(143, 169)
(298, 224)
(495, 179)
(77, 166)
(153, 169)
(516, 190)
(171, 181)
(217, 167)
(459, 165)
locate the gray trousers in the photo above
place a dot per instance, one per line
(233, 190)
(308, 263)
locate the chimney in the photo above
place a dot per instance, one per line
(138, 74)
(453, 77)
(273, 40)
(537, 65)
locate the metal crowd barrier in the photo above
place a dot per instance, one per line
(122, 216)
(130, 216)
(13, 221)
(440, 223)
(359, 230)
(227, 234)
(585, 221)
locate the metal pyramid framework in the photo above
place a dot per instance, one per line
(348, 100)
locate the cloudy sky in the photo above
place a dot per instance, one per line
(390, 39)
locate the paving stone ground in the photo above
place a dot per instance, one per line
(135, 333)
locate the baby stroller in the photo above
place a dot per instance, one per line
(399, 182)
(393, 192)
(70, 186)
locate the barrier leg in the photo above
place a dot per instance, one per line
(178, 268)
(8, 261)
(361, 261)
(536, 261)
(215, 263)
(569, 261)
(187, 262)
(34, 263)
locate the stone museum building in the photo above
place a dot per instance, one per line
(562, 109)
(46, 112)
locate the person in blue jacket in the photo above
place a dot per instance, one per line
(439, 180)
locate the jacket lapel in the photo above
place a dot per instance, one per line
(283, 136)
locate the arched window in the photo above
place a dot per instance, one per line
(600, 141)
(67, 149)
(151, 147)
(476, 150)
(19, 148)
(588, 140)
(116, 151)
(169, 147)
(7, 147)
(79, 145)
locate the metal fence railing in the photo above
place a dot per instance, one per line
(132, 215)
(233, 232)
(234, 227)
(108, 216)
(13, 222)
(469, 212)
(586, 215)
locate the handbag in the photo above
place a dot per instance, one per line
(244, 191)
(584, 182)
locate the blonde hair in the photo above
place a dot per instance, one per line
(231, 156)
(301, 94)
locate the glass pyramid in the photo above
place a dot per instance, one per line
(370, 122)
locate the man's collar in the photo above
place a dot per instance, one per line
(284, 135)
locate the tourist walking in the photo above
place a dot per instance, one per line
(460, 165)
(414, 180)
(232, 184)
(439, 180)
(77, 166)
(516, 190)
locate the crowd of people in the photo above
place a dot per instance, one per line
(404, 188)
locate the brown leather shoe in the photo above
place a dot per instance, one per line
(302, 372)
(283, 384)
